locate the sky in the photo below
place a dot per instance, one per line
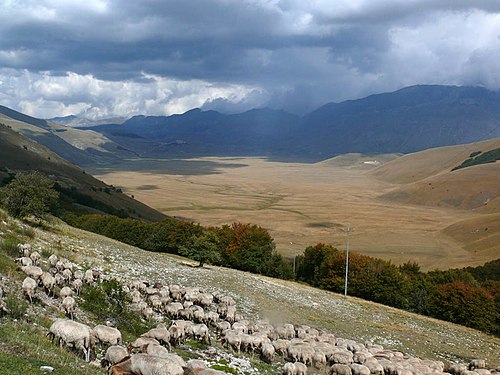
(106, 58)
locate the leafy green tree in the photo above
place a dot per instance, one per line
(203, 249)
(29, 194)
(309, 263)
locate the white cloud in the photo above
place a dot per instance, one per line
(45, 95)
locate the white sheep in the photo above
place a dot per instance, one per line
(60, 281)
(156, 350)
(107, 335)
(147, 364)
(73, 334)
(160, 334)
(53, 260)
(35, 257)
(65, 292)
(78, 274)
(68, 305)
(88, 277)
(29, 286)
(77, 285)
(267, 352)
(114, 354)
(24, 261)
(67, 274)
(48, 282)
(139, 342)
(24, 249)
(32, 271)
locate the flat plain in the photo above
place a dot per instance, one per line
(302, 204)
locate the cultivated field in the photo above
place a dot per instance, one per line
(301, 204)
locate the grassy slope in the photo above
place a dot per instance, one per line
(426, 178)
(420, 165)
(283, 301)
(18, 153)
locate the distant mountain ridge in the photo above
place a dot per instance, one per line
(408, 120)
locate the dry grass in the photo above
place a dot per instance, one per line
(303, 204)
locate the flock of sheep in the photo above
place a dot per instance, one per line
(200, 315)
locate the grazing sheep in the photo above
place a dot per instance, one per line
(77, 285)
(78, 274)
(60, 281)
(24, 249)
(300, 368)
(73, 334)
(267, 351)
(67, 274)
(147, 365)
(53, 260)
(68, 305)
(107, 335)
(288, 369)
(232, 339)
(65, 292)
(140, 342)
(48, 282)
(160, 334)
(24, 261)
(199, 332)
(35, 257)
(156, 350)
(177, 333)
(211, 317)
(358, 369)
(477, 364)
(114, 354)
(340, 369)
(172, 309)
(29, 286)
(32, 271)
(88, 277)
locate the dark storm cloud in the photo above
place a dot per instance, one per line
(293, 54)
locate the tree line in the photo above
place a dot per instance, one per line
(469, 296)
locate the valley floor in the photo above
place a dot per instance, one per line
(301, 205)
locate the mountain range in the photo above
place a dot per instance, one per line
(408, 120)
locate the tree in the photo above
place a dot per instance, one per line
(29, 194)
(463, 303)
(203, 249)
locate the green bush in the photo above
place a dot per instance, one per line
(8, 245)
(28, 194)
(108, 301)
(16, 307)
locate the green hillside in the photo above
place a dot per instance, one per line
(79, 190)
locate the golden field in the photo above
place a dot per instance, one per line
(303, 204)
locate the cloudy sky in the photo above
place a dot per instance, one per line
(102, 58)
